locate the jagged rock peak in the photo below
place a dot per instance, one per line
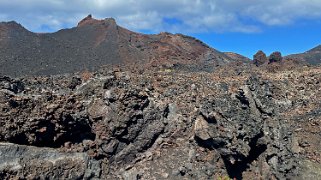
(89, 20)
(110, 20)
(8, 23)
(11, 24)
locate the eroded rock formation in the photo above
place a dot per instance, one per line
(260, 58)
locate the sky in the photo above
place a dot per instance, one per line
(241, 26)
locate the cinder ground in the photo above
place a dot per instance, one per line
(163, 123)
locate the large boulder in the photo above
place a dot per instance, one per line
(28, 162)
(260, 58)
(275, 57)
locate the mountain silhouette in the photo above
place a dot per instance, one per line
(95, 43)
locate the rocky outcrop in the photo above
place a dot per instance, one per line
(26, 162)
(260, 58)
(89, 20)
(243, 130)
(275, 57)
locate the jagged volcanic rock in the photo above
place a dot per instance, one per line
(170, 124)
(260, 58)
(275, 57)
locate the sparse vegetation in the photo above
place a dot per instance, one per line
(86, 75)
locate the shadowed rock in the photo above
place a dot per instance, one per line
(260, 58)
(275, 57)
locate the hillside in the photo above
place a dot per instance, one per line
(237, 57)
(95, 43)
(312, 56)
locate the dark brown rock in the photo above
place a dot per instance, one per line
(162, 124)
(275, 57)
(260, 58)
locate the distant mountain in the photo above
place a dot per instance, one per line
(312, 56)
(94, 43)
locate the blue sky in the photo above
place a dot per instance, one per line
(244, 27)
(295, 38)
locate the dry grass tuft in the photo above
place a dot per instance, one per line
(86, 75)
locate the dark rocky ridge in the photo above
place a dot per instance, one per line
(95, 43)
(312, 56)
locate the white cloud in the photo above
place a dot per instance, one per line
(190, 15)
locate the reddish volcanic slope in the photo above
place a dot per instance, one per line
(94, 43)
(312, 56)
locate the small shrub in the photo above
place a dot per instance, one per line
(224, 178)
(86, 75)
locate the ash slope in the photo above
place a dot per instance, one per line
(94, 43)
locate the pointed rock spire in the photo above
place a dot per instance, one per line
(87, 20)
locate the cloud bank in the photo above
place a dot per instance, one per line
(191, 16)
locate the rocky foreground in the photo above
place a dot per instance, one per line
(244, 122)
